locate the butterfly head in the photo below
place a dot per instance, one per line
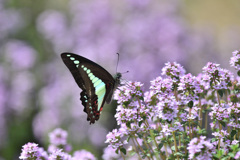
(117, 78)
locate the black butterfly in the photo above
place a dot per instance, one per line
(96, 83)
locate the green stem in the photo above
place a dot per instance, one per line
(219, 100)
(175, 142)
(226, 96)
(122, 155)
(148, 147)
(139, 157)
(206, 120)
(139, 146)
(200, 114)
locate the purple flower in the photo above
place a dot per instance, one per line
(30, 150)
(194, 113)
(234, 112)
(124, 115)
(114, 138)
(167, 108)
(189, 88)
(109, 154)
(43, 154)
(59, 154)
(203, 84)
(237, 156)
(58, 137)
(235, 142)
(125, 93)
(220, 134)
(177, 127)
(235, 60)
(217, 77)
(220, 112)
(199, 149)
(83, 155)
(166, 130)
(173, 71)
(162, 86)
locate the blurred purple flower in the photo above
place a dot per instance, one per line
(19, 54)
(10, 21)
(58, 137)
(109, 154)
(237, 156)
(83, 155)
(97, 135)
(53, 25)
(21, 89)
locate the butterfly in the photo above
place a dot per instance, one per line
(96, 83)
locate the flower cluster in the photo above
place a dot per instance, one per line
(199, 148)
(217, 77)
(173, 71)
(167, 121)
(58, 149)
(32, 151)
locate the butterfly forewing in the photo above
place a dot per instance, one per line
(97, 84)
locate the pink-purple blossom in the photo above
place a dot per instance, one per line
(200, 148)
(235, 60)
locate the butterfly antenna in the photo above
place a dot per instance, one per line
(117, 62)
(125, 72)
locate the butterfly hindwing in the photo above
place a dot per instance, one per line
(96, 83)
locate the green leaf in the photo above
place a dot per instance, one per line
(220, 92)
(190, 104)
(140, 123)
(233, 132)
(222, 123)
(141, 98)
(173, 148)
(169, 122)
(123, 150)
(128, 124)
(238, 73)
(128, 138)
(160, 145)
(140, 135)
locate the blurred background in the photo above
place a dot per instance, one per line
(37, 91)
